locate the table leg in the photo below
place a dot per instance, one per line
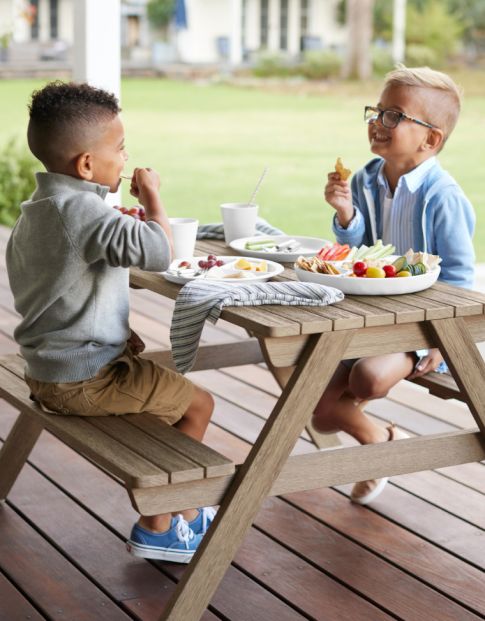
(282, 376)
(465, 362)
(253, 481)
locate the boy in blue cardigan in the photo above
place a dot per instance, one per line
(403, 197)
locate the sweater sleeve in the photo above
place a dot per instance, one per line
(99, 232)
(454, 223)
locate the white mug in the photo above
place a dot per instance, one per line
(184, 233)
(239, 220)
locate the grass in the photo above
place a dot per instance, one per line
(211, 142)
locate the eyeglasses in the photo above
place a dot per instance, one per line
(390, 118)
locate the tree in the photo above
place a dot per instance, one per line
(358, 62)
(160, 13)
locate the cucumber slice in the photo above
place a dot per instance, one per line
(401, 264)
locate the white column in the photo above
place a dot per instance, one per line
(97, 49)
(44, 20)
(236, 32)
(97, 46)
(274, 25)
(294, 10)
(399, 31)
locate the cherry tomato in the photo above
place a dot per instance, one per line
(390, 271)
(359, 268)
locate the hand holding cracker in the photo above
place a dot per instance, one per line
(341, 170)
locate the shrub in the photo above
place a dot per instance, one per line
(272, 66)
(319, 65)
(381, 59)
(17, 181)
(421, 55)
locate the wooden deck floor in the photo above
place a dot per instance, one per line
(417, 554)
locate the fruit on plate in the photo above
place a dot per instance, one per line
(243, 264)
(359, 268)
(211, 261)
(390, 271)
(334, 252)
(375, 272)
(262, 267)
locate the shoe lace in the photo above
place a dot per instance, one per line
(183, 531)
(208, 514)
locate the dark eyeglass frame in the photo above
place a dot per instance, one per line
(378, 114)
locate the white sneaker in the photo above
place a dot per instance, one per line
(365, 492)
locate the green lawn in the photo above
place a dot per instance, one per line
(210, 143)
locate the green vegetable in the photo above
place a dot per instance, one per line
(257, 245)
(401, 264)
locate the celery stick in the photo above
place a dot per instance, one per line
(256, 245)
(361, 252)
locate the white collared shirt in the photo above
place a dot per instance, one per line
(398, 211)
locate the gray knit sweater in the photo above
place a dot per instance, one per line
(66, 260)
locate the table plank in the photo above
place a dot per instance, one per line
(462, 305)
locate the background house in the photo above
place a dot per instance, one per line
(214, 30)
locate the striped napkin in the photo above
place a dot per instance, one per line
(199, 300)
(216, 231)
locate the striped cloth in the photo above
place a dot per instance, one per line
(216, 231)
(200, 300)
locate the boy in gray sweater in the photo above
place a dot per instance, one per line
(67, 261)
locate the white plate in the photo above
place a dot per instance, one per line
(220, 274)
(309, 246)
(372, 286)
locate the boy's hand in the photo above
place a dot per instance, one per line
(145, 185)
(427, 364)
(339, 196)
(135, 343)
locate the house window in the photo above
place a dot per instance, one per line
(54, 18)
(304, 19)
(264, 19)
(34, 27)
(283, 24)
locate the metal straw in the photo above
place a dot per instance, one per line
(260, 181)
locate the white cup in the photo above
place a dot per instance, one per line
(239, 220)
(184, 233)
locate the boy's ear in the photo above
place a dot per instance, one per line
(84, 166)
(435, 139)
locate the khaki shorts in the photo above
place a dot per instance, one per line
(127, 385)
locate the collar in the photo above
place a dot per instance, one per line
(414, 178)
(55, 183)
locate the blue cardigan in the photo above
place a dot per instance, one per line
(444, 221)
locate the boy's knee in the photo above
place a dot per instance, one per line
(202, 403)
(366, 385)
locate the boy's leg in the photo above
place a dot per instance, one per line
(341, 406)
(193, 423)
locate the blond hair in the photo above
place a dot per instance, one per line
(443, 97)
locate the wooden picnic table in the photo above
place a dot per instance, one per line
(303, 347)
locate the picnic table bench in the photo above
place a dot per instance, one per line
(138, 449)
(164, 470)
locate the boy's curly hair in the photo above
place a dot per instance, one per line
(64, 117)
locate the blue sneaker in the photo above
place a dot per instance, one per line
(177, 544)
(201, 523)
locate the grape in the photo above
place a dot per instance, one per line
(211, 263)
(219, 262)
(203, 264)
(211, 257)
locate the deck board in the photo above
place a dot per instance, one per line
(417, 553)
